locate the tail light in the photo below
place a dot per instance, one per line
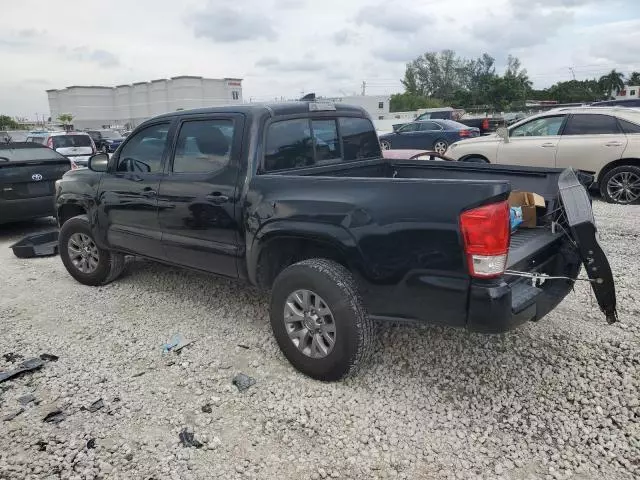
(465, 133)
(74, 165)
(485, 124)
(50, 143)
(486, 236)
(93, 146)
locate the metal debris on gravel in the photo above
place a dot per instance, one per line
(555, 399)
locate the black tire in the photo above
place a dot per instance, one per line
(632, 171)
(354, 329)
(110, 264)
(475, 160)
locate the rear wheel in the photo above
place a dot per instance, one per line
(440, 146)
(621, 185)
(319, 321)
(81, 256)
(385, 145)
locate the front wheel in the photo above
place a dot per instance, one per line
(319, 320)
(81, 256)
(440, 146)
(621, 185)
(385, 145)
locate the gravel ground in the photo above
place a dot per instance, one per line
(557, 399)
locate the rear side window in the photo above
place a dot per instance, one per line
(203, 146)
(289, 145)
(66, 141)
(591, 125)
(628, 127)
(359, 139)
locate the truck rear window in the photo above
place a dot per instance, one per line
(305, 142)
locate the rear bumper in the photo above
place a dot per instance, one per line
(26, 209)
(488, 306)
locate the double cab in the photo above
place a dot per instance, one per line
(297, 198)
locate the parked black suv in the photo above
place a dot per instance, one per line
(296, 197)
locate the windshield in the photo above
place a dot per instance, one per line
(66, 141)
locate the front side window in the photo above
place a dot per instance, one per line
(409, 127)
(203, 146)
(540, 127)
(143, 151)
(289, 145)
(591, 125)
(359, 139)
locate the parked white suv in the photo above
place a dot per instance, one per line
(604, 141)
(76, 146)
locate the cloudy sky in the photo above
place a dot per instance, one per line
(285, 47)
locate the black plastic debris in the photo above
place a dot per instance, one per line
(138, 374)
(115, 399)
(12, 415)
(95, 406)
(49, 357)
(207, 408)
(91, 443)
(26, 399)
(54, 417)
(26, 366)
(38, 245)
(42, 445)
(187, 439)
(243, 381)
(246, 347)
(12, 357)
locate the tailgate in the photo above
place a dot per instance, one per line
(582, 228)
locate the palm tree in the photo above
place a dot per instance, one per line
(65, 119)
(634, 79)
(612, 83)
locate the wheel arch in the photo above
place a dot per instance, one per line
(278, 249)
(616, 163)
(473, 155)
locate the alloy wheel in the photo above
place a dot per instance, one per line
(440, 147)
(83, 252)
(385, 145)
(624, 187)
(309, 323)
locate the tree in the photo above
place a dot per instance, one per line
(634, 79)
(65, 119)
(406, 102)
(8, 123)
(612, 82)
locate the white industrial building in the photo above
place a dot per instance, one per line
(129, 105)
(628, 92)
(376, 105)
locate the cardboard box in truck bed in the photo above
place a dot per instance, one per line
(529, 202)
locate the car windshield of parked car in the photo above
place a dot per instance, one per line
(66, 141)
(539, 127)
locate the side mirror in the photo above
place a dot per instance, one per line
(99, 162)
(503, 133)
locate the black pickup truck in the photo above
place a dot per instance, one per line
(296, 197)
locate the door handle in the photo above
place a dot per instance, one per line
(149, 193)
(613, 144)
(217, 198)
(548, 145)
